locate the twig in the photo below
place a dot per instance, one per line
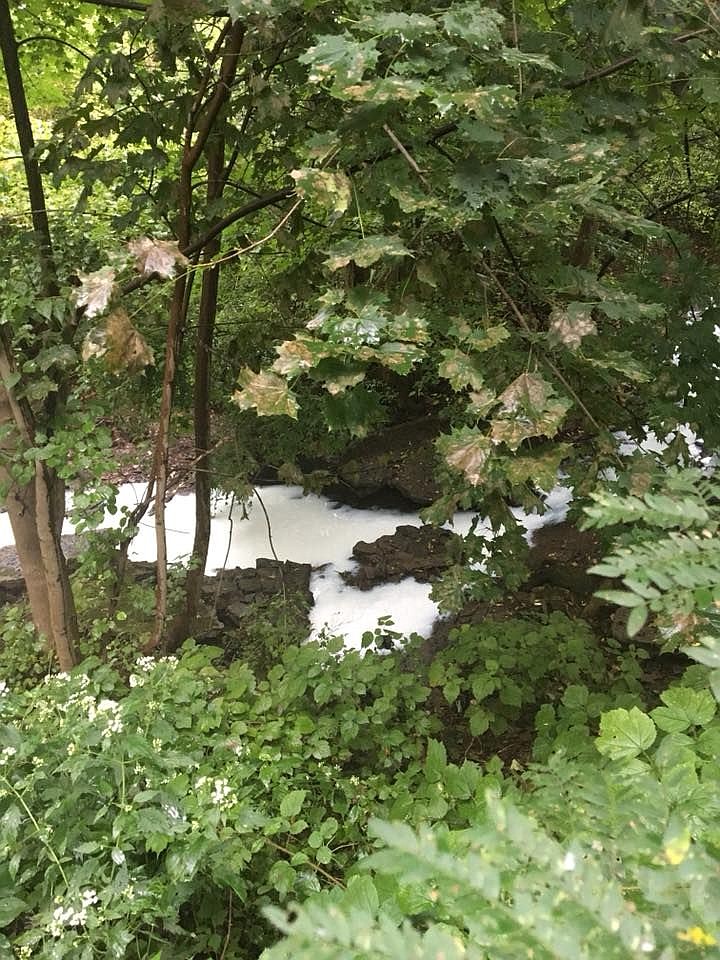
(221, 573)
(314, 866)
(226, 942)
(405, 153)
(524, 324)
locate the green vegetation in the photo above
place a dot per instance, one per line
(277, 226)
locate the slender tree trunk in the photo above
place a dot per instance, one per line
(201, 121)
(201, 397)
(36, 509)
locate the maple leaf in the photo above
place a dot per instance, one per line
(95, 290)
(467, 451)
(122, 344)
(266, 392)
(331, 190)
(461, 370)
(127, 349)
(157, 256)
(569, 326)
(529, 391)
(293, 357)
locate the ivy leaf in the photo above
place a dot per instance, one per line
(157, 256)
(95, 291)
(461, 370)
(467, 451)
(624, 734)
(365, 252)
(266, 392)
(570, 325)
(684, 708)
(328, 188)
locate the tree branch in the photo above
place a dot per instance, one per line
(619, 65)
(119, 5)
(23, 126)
(42, 36)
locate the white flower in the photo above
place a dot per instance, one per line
(568, 862)
(145, 663)
(136, 681)
(157, 743)
(71, 748)
(7, 752)
(222, 795)
(3, 688)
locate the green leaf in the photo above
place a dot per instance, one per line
(407, 26)
(361, 894)
(435, 761)
(461, 370)
(684, 708)
(365, 252)
(10, 909)
(637, 619)
(475, 23)
(339, 57)
(621, 597)
(291, 803)
(282, 876)
(625, 734)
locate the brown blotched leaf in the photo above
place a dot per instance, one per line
(157, 256)
(267, 393)
(126, 346)
(529, 391)
(570, 325)
(122, 345)
(467, 451)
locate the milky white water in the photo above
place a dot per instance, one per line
(307, 529)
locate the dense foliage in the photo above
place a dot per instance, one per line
(279, 226)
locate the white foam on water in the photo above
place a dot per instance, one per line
(307, 529)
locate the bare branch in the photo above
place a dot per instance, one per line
(47, 37)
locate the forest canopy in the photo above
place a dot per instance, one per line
(278, 230)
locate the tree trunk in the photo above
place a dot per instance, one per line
(36, 524)
(201, 396)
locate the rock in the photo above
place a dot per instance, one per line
(395, 467)
(419, 552)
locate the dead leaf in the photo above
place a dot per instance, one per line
(157, 256)
(127, 349)
(95, 290)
